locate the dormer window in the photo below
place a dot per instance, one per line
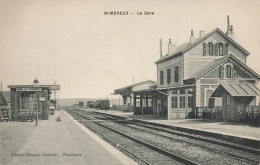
(228, 71)
(220, 49)
(210, 48)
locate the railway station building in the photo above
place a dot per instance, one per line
(24, 100)
(208, 73)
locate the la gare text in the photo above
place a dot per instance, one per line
(128, 13)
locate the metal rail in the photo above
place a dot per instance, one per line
(193, 137)
(222, 143)
(162, 151)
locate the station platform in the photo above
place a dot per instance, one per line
(238, 131)
(64, 142)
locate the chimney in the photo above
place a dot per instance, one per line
(192, 38)
(230, 31)
(171, 47)
(227, 25)
(202, 33)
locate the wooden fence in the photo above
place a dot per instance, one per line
(214, 113)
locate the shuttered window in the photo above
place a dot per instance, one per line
(204, 49)
(176, 74)
(216, 49)
(168, 76)
(220, 49)
(161, 77)
(221, 72)
(226, 49)
(210, 47)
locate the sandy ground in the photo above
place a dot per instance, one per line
(52, 142)
(13, 136)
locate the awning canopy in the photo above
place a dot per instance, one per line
(237, 90)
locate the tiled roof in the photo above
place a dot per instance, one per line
(129, 87)
(207, 68)
(215, 63)
(187, 46)
(237, 90)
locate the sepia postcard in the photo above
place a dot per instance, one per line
(129, 82)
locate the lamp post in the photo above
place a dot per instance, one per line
(36, 83)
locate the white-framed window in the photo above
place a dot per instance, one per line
(182, 101)
(228, 71)
(28, 101)
(220, 49)
(174, 102)
(210, 48)
(144, 102)
(137, 102)
(150, 102)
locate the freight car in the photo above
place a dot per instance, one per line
(102, 104)
(90, 104)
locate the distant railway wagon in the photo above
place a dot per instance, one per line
(81, 104)
(90, 104)
(102, 104)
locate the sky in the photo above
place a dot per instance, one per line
(89, 54)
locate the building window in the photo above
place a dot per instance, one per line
(220, 49)
(228, 99)
(161, 77)
(190, 102)
(150, 102)
(144, 102)
(174, 102)
(182, 101)
(182, 91)
(28, 101)
(190, 91)
(174, 92)
(204, 49)
(176, 74)
(220, 69)
(210, 47)
(137, 102)
(228, 71)
(168, 76)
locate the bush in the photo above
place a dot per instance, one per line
(58, 119)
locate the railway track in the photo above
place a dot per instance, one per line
(123, 127)
(142, 152)
(183, 134)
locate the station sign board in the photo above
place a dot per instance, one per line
(29, 89)
(228, 81)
